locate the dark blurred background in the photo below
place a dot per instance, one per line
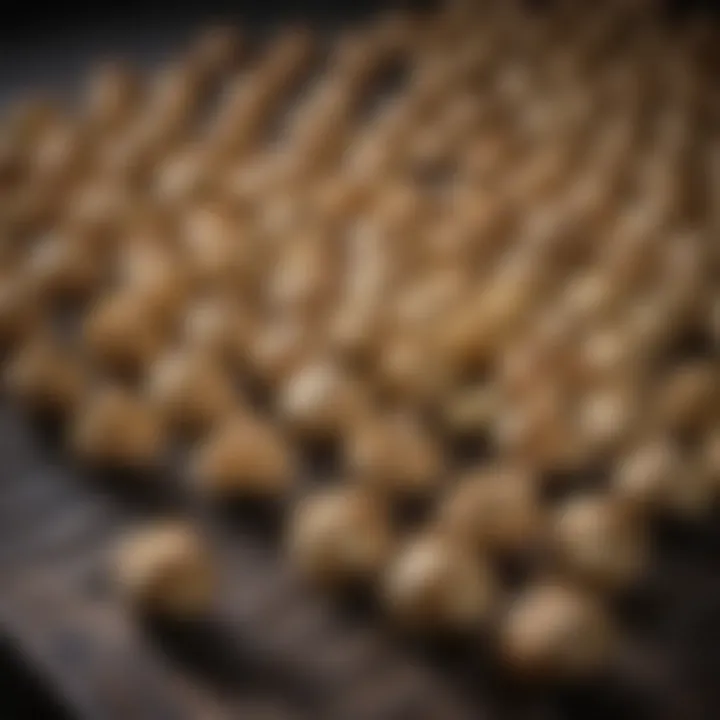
(23, 694)
(32, 20)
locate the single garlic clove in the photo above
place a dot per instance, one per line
(600, 543)
(538, 431)
(175, 97)
(356, 330)
(62, 267)
(45, 377)
(59, 155)
(608, 416)
(481, 324)
(337, 200)
(97, 211)
(279, 349)
(645, 478)
(471, 409)
(121, 334)
(243, 457)
(302, 277)
(435, 584)
(608, 353)
(220, 327)
(496, 508)
(555, 631)
(408, 370)
(340, 536)
(215, 246)
(129, 157)
(190, 389)
(156, 274)
(116, 429)
(319, 400)
(166, 570)
(112, 94)
(183, 177)
(394, 454)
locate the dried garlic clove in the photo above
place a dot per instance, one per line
(319, 400)
(471, 409)
(112, 95)
(340, 536)
(61, 267)
(434, 584)
(156, 275)
(45, 377)
(165, 570)
(497, 508)
(121, 333)
(600, 543)
(555, 631)
(394, 454)
(646, 477)
(244, 457)
(608, 417)
(219, 327)
(116, 429)
(280, 348)
(190, 390)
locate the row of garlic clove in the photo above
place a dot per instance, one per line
(442, 578)
(432, 584)
(189, 393)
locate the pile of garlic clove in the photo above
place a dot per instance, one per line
(480, 224)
